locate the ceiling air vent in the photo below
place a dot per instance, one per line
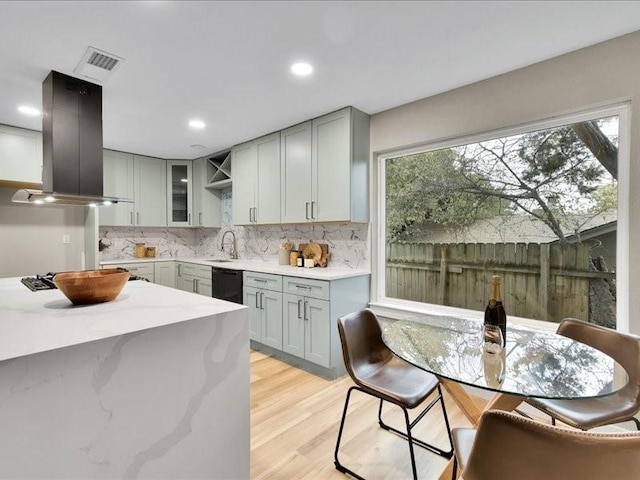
(98, 65)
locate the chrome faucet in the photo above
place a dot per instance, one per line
(234, 249)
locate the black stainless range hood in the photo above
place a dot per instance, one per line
(72, 144)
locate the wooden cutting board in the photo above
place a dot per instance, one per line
(321, 258)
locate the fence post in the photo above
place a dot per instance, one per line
(545, 279)
(443, 274)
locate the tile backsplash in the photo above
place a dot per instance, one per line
(348, 243)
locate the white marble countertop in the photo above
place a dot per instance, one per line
(33, 322)
(329, 273)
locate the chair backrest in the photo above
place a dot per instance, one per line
(624, 348)
(510, 446)
(362, 347)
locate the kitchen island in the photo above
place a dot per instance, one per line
(154, 384)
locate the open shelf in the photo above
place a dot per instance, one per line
(219, 170)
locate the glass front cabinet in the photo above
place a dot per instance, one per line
(179, 186)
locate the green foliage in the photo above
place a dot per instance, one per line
(548, 174)
(428, 187)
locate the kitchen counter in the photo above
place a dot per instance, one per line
(153, 384)
(329, 273)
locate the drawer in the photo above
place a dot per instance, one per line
(267, 281)
(200, 271)
(143, 269)
(306, 287)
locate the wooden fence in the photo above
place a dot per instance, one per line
(542, 281)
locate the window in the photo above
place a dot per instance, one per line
(537, 206)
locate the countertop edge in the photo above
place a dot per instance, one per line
(317, 273)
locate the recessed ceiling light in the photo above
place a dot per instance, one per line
(34, 112)
(301, 69)
(199, 124)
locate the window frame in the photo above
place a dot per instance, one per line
(398, 308)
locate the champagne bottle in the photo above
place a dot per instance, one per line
(494, 313)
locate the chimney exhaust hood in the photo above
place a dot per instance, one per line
(72, 144)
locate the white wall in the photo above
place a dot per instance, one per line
(31, 237)
(604, 74)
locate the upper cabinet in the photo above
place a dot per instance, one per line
(140, 180)
(296, 176)
(179, 193)
(20, 155)
(339, 167)
(150, 175)
(117, 174)
(325, 169)
(256, 181)
(207, 209)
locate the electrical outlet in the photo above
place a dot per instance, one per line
(66, 239)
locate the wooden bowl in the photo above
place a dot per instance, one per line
(91, 286)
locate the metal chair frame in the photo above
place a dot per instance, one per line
(411, 440)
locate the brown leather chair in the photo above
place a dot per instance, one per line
(376, 371)
(507, 445)
(594, 412)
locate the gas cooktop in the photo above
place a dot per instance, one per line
(40, 282)
(45, 282)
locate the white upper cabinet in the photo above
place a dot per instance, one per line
(150, 191)
(179, 193)
(296, 173)
(256, 181)
(325, 169)
(207, 209)
(117, 170)
(20, 155)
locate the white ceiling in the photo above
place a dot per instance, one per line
(227, 63)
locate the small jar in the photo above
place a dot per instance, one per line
(300, 260)
(151, 251)
(141, 250)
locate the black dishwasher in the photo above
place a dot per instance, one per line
(226, 284)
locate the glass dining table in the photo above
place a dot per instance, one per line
(534, 363)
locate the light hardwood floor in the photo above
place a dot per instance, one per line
(294, 425)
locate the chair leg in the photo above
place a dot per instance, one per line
(432, 448)
(410, 442)
(336, 462)
(454, 474)
(637, 422)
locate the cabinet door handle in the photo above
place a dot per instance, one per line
(261, 300)
(189, 217)
(299, 307)
(200, 218)
(305, 287)
(137, 218)
(305, 310)
(131, 216)
(313, 215)
(255, 214)
(306, 210)
(250, 214)
(257, 297)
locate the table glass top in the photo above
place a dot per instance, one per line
(534, 363)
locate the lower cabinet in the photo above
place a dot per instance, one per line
(165, 274)
(262, 293)
(295, 319)
(307, 329)
(194, 278)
